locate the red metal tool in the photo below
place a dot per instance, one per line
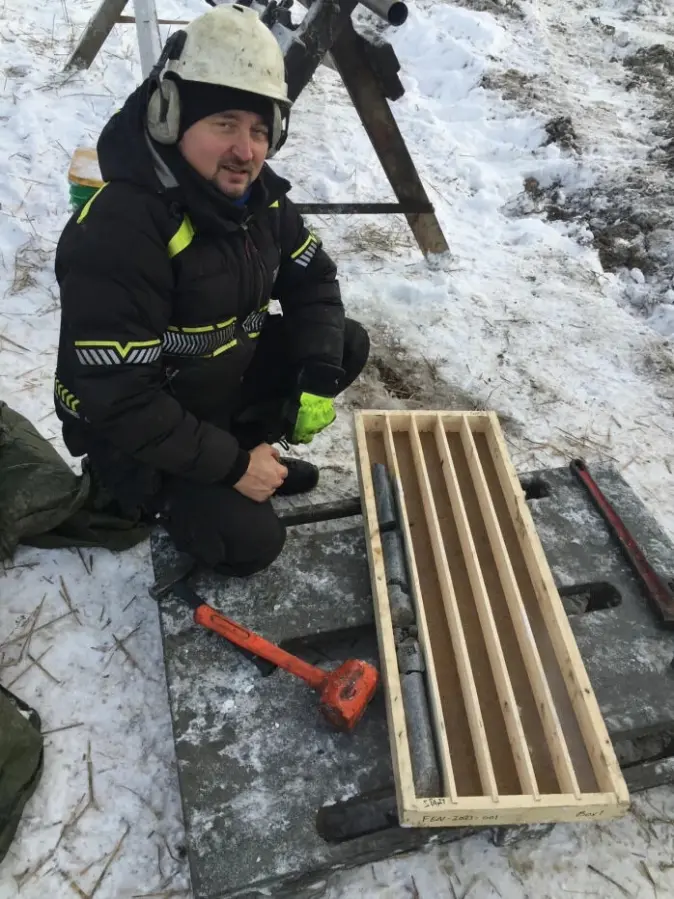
(657, 589)
(345, 692)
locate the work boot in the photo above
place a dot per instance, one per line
(302, 477)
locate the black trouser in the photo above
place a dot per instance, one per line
(215, 524)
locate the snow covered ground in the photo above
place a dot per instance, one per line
(523, 318)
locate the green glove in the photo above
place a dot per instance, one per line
(315, 413)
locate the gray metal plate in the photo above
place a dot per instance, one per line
(627, 653)
(256, 761)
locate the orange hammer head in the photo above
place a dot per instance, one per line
(347, 692)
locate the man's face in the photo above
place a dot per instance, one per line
(228, 149)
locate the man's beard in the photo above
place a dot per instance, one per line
(235, 192)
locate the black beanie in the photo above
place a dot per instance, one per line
(199, 99)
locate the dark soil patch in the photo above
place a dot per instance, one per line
(560, 131)
(510, 8)
(410, 381)
(631, 223)
(653, 64)
(548, 201)
(511, 84)
(395, 378)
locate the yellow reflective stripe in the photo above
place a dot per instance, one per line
(303, 247)
(274, 205)
(182, 238)
(202, 329)
(87, 206)
(221, 349)
(68, 399)
(123, 350)
(255, 320)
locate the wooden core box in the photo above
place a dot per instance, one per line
(516, 728)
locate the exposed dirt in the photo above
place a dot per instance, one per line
(631, 219)
(560, 131)
(512, 84)
(394, 378)
(497, 7)
(627, 214)
(548, 201)
(652, 64)
(397, 378)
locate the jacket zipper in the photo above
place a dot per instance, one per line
(252, 252)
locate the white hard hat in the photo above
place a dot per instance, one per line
(230, 46)
(227, 46)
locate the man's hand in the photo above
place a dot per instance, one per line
(264, 475)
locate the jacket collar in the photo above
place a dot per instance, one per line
(209, 210)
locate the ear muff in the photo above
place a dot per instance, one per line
(163, 103)
(279, 133)
(163, 112)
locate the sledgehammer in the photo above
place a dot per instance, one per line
(345, 692)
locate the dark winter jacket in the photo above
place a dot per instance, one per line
(165, 285)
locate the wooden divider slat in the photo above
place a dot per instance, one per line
(554, 734)
(395, 711)
(442, 743)
(520, 750)
(453, 421)
(593, 727)
(372, 419)
(469, 690)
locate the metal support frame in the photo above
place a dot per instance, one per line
(109, 14)
(149, 38)
(389, 144)
(100, 25)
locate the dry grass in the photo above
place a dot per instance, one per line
(50, 42)
(511, 8)
(110, 859)
(609, 879)
(375, 241)
(658, 360)
(512, 84)
(397, 378)
(655, 362)
(29, 259)
(65, 595)
(121, 644)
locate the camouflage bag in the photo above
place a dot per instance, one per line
(44, 503)
(21, 759)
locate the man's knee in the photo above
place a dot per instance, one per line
(223, 529)
(265, 546)
(356, 350)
